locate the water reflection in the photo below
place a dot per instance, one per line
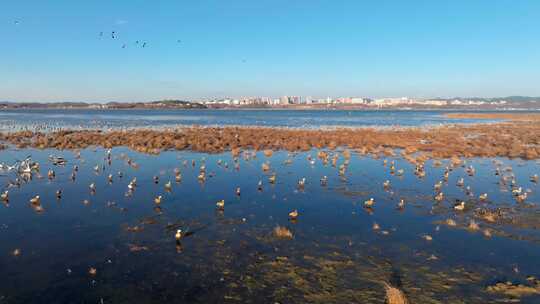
(114, 242)
(74, 119)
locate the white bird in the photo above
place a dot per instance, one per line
(132, 184)
(301, 183)
(293, 214)
(168, 186)
(35, 200)
(5, 196)
(369, 203)
(459, 206)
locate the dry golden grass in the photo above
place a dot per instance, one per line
(515, 290)
(282, 233)
(516, 139)
(394, 295)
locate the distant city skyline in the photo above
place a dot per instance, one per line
(102, 51)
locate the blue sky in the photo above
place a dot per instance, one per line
(52, 50)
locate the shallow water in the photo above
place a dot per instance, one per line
(335, 255)
(103, 119)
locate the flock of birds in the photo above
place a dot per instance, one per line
(137, 43)
(115, 36)
(27, 168)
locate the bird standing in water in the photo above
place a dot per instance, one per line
(302, 183)
(459, 206)
(178, 234)
(5, 196)
(293, 215)
(369, 203)
(35, 200)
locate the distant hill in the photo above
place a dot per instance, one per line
(508, 99)
(174, 104)
(515, 102)
(165, 104)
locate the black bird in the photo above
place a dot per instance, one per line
(144, 44)
(113, 34)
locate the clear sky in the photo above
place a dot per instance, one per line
(52, 50)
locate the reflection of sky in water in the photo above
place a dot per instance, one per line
(227, 248)
(173, 118)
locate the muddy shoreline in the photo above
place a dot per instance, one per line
(519, 138)
(504, 116)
